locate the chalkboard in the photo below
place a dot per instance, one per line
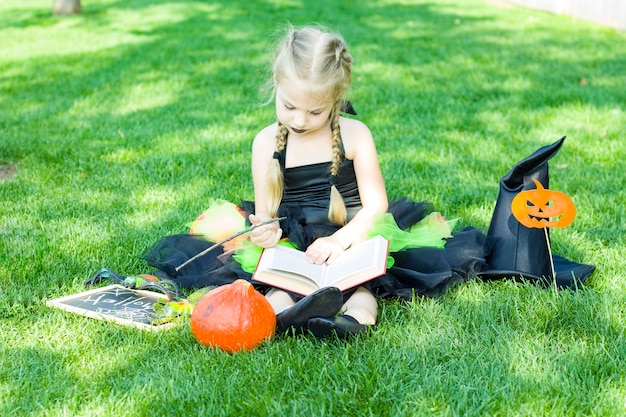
(114, 303)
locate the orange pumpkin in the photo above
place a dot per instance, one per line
(233, 317)
(542, 207)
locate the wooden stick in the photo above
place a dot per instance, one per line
(209, 249)
(545, 229)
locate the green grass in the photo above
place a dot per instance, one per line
(123, 123)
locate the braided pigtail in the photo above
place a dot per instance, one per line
(337, 212)
(275, 181)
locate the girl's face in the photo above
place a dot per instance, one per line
(301, 111)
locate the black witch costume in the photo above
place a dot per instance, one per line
(509, 249)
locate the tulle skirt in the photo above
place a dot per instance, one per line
(426, 258)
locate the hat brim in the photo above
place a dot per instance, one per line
(569, 274)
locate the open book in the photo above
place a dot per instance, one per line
(288, 269)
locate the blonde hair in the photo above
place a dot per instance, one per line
(321, 58)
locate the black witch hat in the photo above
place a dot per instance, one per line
(519, 251)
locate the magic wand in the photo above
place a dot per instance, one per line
(209, 249)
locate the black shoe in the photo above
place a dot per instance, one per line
(325, 302)
(343, 326)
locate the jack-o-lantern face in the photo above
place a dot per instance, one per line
(543, 208)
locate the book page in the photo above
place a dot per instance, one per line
(287, 281)
(294, 261)
(356, 261)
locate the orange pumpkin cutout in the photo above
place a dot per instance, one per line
(233, 317)
(541, 208)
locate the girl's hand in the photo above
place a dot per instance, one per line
(324, 249)
(264, 236)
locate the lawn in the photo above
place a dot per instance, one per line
(118, 126)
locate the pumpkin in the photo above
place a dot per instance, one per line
(542, 208)
(233, 317)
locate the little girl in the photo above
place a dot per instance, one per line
(320, 171)
(321, 167)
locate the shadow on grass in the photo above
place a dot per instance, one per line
(126, 132)
(167, 114)
(504, 324)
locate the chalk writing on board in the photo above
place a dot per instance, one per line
(114, 303)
